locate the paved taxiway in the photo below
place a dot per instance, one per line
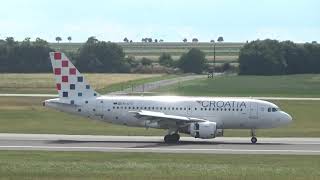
(220, 145)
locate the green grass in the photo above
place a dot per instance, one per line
(97, 165)
(26, 115)
(44, 83)
(133, 83)
(285, 86)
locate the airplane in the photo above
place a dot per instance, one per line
(200, 117)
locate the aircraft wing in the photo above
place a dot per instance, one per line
(165, 118)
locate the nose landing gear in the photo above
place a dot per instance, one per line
(253, 135)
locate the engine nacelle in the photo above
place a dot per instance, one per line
(203, 130)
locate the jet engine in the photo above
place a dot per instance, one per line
(204, 130)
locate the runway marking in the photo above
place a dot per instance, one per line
(97, 148)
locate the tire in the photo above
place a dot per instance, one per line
(175, 138)
(254, 140)
(171, 139)
(167, 139)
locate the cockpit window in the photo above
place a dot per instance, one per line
(273, 109)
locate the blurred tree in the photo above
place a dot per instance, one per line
(58, 39)
(146, 61)
(220, 39)
(166, 60)
(262, 58)
(100, 56)
(194, 61)
(69, 39)
(195, 40)
(92, 40)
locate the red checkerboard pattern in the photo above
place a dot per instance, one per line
(58, 86)
(65, 63)
(57, 56)
(57, 71)
(65, 78)
(72, 71)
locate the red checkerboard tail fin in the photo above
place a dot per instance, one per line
(70, 84)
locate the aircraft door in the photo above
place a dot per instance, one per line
(99, 108)
(253, 114)
(189, 110)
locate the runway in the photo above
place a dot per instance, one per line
(220, 145)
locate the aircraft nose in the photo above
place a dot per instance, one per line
(287, 118)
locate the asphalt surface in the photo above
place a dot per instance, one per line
(220, 145)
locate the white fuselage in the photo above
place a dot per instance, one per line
(228, 113)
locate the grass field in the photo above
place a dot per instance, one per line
(285, 86)
(26, 115)
(225, 52)
(96, 165)
(44, 83)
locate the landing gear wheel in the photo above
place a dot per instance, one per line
(254, 140)
(175, 137)
(170, 139)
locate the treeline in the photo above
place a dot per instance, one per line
(24, 57)
(266, 57)
(33, 57)
(94, 56)
(271, 57)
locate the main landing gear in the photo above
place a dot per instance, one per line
(172, 138)
(253, 134)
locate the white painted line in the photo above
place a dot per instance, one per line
(162, 149)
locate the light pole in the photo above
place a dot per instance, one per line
(211, 74)
(214, 56)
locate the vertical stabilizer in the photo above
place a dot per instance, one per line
(71, 85)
